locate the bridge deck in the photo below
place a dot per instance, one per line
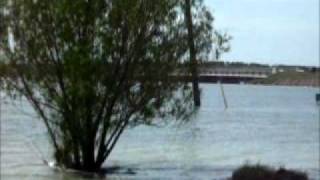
(240, 75)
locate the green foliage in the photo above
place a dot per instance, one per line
(253, 172)
(222, 44)
(91, 68)
(260, 172)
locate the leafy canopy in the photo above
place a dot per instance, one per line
(92, 68)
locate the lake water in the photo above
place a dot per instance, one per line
(277, 126)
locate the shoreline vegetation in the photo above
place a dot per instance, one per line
(261, 172)
(98, 68)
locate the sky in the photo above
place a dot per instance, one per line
(269, 31)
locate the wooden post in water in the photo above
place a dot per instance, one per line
(224, 97)
(193, 57)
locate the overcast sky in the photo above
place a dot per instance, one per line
(270, 31)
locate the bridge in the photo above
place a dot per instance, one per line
(213, 74)
(234, 78)
(232, 75)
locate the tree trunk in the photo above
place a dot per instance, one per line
(192, 51)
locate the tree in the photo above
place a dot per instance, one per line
(193, 55)
(199, 39)
(92, 68)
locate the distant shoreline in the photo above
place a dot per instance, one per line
(305, 79)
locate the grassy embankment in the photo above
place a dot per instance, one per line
(292, 78)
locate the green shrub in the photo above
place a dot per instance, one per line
(259, 172)
(253, 172)
(283, 174)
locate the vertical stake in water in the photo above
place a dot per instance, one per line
(224, 97)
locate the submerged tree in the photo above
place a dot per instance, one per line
(192, 52)
(92, 68)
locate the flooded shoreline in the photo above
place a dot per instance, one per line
(276, 126)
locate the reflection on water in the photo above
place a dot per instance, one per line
(277, 126)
